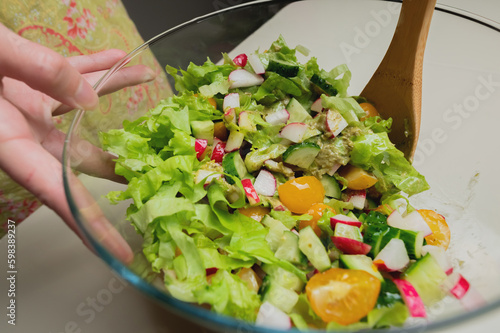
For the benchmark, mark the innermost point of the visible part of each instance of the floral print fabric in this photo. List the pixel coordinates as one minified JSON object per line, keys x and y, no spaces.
{"x":76,"y":27}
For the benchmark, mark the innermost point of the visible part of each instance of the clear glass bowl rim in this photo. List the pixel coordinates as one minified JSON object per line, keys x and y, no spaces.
{"x":193,"y":312}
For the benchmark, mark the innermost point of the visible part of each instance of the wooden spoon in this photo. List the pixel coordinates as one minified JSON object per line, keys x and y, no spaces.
{"x":396,"y":86}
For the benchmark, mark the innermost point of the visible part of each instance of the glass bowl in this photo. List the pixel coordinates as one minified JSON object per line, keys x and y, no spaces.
{"x":457,"y":150}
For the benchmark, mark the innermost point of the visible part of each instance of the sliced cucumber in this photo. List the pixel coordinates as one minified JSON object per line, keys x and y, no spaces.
{"x":347,"y":231}
{"x":302,"y":154}
{"x":323,"y":86}
{"x":203,"y":129}
{"x":297,"y":112}
{"x":413,"y":242}
{"x":279,"y":296}
{"x":314,"y":250}
{"x":426,"y":276}
{"x":275,"y":235}
{"x":331,"y":186}
{"x":283,"y":68}
{"x":377,"y":236}
{"x":234,"y":165}
{"x":283,"y":277}
{"x":289,"y":249}
{"x":360,"y":262}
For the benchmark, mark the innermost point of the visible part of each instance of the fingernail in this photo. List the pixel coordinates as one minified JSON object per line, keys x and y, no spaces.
{"x":86,"y":97}
{"x":149,"y":75}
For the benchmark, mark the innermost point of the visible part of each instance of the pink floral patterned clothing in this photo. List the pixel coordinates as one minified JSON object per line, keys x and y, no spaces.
{"x":75,"y":27}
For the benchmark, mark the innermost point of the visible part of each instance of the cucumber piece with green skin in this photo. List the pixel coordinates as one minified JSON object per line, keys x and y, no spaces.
{"x":234,"y":165}
{"x":279,"y":296}
{"x":297,"y":112}
{"x":283,"y":277}
{"x":283,"y":68}
{"x":377,"y":236}
{"x":323,"y":86}
{"x":331,"y":186}
{"x":289,"y":249}
{"x":203,"y":129}
{"x":302,"y":154}
{"x":414,"y":240}
{"x":312,"y":247}
{"x":426,"y":276}
{"x":360,"y":262}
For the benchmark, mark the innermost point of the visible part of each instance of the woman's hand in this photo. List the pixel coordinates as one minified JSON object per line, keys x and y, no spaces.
{"x":35,"y":84}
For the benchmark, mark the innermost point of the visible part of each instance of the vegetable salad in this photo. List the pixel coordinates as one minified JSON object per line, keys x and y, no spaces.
{"x":265,"y":192}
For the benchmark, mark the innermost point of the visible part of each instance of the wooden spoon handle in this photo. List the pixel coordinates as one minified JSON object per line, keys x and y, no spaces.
{"x":406,"y":51}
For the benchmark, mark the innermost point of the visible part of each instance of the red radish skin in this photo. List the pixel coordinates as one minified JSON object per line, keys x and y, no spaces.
{"x":335,"y":123}
{"x":256,"y":64}
{"x":241,"y":78}
{"x":457,"y":285}
{"x":350,"y":246}
{"x":411,"y":298}
{"x":265,"y":183}
{"x":252,"y":196}
{"x":357,"y":198}
{"x":339,"y":218}
{"x":240,"y":60}
{"x":231,"y":100}
{"x":200,"y":145}
{"x":211,"y":270}
{"x":218,"y":151}
{"x":294,"y":132}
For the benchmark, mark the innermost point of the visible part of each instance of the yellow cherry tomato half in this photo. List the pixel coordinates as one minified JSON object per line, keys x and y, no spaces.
{"x":255,"y":212}
{"x":316,"y":211}
{"x":342,"y":295}
{"x":369,"y":109}
{"x":440,"y":231}
{"x":299,"y":194}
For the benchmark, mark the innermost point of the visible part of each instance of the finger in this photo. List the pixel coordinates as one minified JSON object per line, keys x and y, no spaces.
{"x":27,"y":163}
{"x":97,"y":61}
{"x":125,"y":77}
{"x":44,"y":70}
{"x":84,"y":156}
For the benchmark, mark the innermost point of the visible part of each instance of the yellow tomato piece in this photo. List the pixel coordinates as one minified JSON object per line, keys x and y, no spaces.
{"x":369,"y":109}
{"x":440,"y":231}
{"x":255,"y":212}
{"x":299,"y":194}
{"x":342,"y":295}
{"x":316,"y":211}
{"x":357,"y":178}
{"x":251,"y":278}
{"x":220,"y":131}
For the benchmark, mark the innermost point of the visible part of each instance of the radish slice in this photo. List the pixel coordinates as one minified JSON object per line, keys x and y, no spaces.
{"x":472,"y":300}
{"x":200,"y":145}
{"x":350,"y":246}
{"x":413,"y":221}
{"x":231,"y":100}
{"x":335,"y":123}
{"x":230,"y":116}
{"x":211,"y":270}
{"x":317,"y":106}
{"x":393,"y":257}
{"x":340,"y":218}
{"x":256,"y":64}
{"x":234,"y":141}
{"x":272,"y":317}
{"x":265,"y":183}
{"x":252,"y":196}
{"x":244,"y":122}
{"x":333,"y":169}
{"x":456,"y":285}
{"x":357,"y":198}
{"x":218,"y":151}
{"x":411,"y":298}
{"x":440,"y":255}
{"x":241,"y":78}
{"x":294,"y":132}
{"x":278,"y":117}
{"x":240,"y":60}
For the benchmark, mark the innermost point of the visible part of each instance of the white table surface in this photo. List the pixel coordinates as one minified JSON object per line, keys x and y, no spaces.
{"x":62,"y":287}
